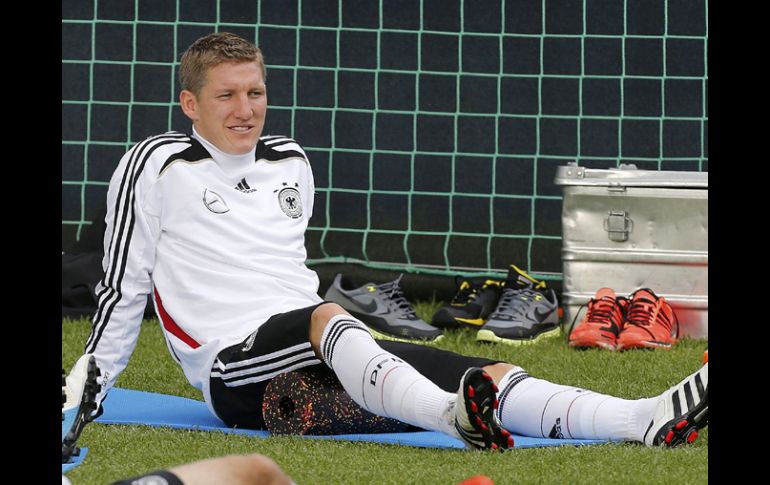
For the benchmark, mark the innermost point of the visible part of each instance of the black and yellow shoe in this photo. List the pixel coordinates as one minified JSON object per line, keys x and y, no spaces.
{"x":475,"y":300}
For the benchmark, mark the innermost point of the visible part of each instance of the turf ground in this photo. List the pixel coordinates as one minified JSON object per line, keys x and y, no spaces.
{"x":122,"y":451}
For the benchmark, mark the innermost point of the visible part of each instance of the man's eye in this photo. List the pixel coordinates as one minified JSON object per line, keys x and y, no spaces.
{"x":223,"y":96}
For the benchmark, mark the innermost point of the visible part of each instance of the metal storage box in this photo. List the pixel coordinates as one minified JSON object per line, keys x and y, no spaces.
{"x":626,"y":229}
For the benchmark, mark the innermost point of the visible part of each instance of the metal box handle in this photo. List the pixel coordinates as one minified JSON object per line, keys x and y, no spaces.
{"x":618,"y":225}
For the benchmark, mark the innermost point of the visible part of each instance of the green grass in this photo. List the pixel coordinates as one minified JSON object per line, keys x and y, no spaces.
{"x":122,"y":451}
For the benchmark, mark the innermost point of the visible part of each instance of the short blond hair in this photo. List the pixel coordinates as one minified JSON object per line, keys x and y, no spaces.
{"x":212,"y":50}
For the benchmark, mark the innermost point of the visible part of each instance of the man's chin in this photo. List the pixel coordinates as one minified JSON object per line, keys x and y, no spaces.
{"x":242,"y":147}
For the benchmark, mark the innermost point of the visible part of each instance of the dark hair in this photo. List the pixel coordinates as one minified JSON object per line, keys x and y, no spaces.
{"x":212,"y":50}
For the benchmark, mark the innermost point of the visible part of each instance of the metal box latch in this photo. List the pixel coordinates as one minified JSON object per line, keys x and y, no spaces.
{"x":618,"y":225}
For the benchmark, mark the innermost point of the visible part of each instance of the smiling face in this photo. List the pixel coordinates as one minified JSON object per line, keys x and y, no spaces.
{"x":229,"y":110}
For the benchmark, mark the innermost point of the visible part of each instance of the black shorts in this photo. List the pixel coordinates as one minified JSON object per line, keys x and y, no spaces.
{"x":282,"y":344}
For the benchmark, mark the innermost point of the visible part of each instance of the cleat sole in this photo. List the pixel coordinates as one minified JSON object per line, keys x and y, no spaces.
{"x":87,"y":406}
{"x":480,"y":406}
{"x":684,"y":429}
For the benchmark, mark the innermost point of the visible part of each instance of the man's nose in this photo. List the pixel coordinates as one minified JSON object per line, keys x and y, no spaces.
{"x":243,"y":110}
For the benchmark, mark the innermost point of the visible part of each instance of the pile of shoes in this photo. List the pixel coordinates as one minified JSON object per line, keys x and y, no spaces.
{"x":519,"y":309}
{"x":641,"y":320}
{"x":516,"y":310}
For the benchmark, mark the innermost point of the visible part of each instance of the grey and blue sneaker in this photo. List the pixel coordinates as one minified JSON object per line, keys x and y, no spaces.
{"x":384,"y":310}
{"x":526,"y":312}
{"x":79,"y":390}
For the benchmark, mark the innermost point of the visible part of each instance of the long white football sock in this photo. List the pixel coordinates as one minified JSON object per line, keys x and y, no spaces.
{"x":379,"y":381}
{"x":538,"y":408}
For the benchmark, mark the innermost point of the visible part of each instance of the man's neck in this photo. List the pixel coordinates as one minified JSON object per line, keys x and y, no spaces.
{"x":230,"y":163}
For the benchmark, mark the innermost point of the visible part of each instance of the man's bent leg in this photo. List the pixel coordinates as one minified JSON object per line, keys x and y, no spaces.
{"x":388,"y":386}
{"x":377,"y":380}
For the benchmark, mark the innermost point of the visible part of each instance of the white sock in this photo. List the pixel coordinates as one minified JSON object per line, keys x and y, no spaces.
{"x":538,"y":408}
{"x":379,"y":381}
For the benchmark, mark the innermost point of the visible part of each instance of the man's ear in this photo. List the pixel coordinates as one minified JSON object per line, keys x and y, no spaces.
{"x":189,"y":104}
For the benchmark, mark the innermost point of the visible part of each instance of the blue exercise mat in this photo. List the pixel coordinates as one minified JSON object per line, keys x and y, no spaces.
{"x":125,"y":406}
{"x":74,"y":461}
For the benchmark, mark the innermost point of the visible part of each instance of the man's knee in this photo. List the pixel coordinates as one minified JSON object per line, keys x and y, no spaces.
{"x":498,"y":370}
{"x":320,"y":318}
{"x":324,"y":312}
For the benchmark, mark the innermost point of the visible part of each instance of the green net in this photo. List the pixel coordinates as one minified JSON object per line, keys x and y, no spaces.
{"x":434,"y":127}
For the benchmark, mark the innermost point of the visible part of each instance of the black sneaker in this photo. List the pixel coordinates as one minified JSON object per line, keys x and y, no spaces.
{"x":79,"y":390}
{"x":526,"y":312}
{"x":384,"y":310}
{"x":471,"y":305}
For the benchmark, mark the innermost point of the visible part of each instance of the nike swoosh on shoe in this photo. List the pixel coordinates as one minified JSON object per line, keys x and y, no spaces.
{"x":540,"y":317}
{"x":372,"y":307}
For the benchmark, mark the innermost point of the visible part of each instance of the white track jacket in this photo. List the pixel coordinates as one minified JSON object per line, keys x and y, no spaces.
{"x":221,"y":249}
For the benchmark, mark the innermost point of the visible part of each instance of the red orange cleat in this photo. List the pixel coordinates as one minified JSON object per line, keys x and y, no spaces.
{"x":602,"y":322}
{"x":650,"y":323}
